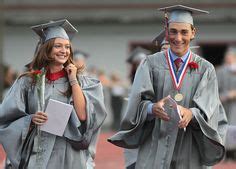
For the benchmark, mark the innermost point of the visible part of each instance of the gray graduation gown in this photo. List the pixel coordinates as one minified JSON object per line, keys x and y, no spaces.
{"x":160,"y":145}
{"x":227,"y":81}
{"x":55,"y":152}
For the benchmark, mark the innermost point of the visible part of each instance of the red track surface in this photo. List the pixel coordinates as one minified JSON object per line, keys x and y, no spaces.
{"x":108,"y":156}
{"x":2,"y":156}
{"x":111,"y":157}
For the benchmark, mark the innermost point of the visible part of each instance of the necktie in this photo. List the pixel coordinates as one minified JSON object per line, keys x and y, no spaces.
{"x":178,"y":63}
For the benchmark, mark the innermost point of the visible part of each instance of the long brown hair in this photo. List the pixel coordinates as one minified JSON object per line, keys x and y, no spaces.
{"x":42,"y":59}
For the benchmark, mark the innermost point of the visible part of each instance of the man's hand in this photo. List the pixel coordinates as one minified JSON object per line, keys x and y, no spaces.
{"x":187,"y":116}
{"x":159,"y":111}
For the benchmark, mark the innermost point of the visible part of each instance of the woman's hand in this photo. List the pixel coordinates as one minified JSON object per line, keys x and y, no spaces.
{"x":71,"y":71}
{"x":39,"y":118}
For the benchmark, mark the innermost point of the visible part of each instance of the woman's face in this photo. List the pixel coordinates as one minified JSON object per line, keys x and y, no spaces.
{"x":60,"y":51}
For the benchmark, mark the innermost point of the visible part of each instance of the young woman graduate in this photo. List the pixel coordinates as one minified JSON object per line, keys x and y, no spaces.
{"x":54,"y":76}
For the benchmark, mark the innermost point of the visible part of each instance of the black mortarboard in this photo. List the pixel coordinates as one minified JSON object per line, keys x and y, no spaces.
{"x":160,"y":39}
{"x":138,"y":54}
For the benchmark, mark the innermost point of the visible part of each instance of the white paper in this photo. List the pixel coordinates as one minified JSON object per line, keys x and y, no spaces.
{"x":175,"y":106}
{"x":58,"y":116}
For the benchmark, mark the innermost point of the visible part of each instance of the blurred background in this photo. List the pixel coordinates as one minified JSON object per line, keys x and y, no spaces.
{"x":108,"y":31}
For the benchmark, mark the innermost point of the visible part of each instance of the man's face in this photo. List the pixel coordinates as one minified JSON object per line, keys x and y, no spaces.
{"x":230,"y":58}
{"x":180,"y":35}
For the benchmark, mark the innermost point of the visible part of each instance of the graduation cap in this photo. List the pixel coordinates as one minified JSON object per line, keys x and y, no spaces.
{"x":160,"y":40}
{"x":231,"y":49}
{"x":138,"y":54}
{"x":180,"y":13}
{"x":78,"y":54}
{"x":194,"y":47}
{"x":55,"y":29}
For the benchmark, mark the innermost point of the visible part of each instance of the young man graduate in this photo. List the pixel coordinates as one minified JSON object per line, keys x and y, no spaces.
{"x":194,"y":139}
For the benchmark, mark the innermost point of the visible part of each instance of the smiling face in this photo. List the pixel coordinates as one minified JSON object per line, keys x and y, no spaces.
{"x":180,"y":35}
{"x":60,"y":51}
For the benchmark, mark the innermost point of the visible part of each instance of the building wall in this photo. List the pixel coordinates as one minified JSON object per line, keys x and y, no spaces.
{"x":110,"y":1}
{"x":108,"y":44}
{"x":125,"y":11}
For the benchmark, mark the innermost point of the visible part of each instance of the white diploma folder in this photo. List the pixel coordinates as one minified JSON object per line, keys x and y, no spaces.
{"x":58,"y":116}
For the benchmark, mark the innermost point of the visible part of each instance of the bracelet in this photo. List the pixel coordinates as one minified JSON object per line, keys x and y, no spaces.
{"x":73,"y":82}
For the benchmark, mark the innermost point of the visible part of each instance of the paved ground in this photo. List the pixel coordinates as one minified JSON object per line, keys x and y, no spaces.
{"x":111,"y":157}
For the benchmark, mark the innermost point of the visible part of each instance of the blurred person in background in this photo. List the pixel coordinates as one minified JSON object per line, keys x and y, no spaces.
{"x":9,"y":77}
{"x":118,"y":91}
{"x":22,"y":111}
{"x":106,"y":83}
{"x":161,"y":41}
{"x":226,"y":75}
{"x":103,"y":78}
{"x":92,"y":71}
{"x":80,"y":59}
{"x":190,"y":133}
{"x":134,"y":59}
{"x":136,"y":56}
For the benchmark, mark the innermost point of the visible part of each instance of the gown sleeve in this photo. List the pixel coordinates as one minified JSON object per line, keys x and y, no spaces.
{"x":80,"y":134}
{"x":15,"y":119}
{"x":211,"y":119}
{"x":134,"y":126}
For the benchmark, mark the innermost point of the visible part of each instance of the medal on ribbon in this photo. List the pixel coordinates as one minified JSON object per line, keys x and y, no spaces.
{"x":177,"y":76}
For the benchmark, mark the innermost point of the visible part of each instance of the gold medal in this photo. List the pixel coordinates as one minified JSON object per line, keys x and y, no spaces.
{"x":179,"y":97}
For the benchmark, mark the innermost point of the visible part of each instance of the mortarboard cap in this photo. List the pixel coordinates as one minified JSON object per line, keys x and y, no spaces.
{"x":180,"y":13}
{"x":231,"y":49}
{"x":194,"y":47}
{"x":55,"y":29}
{"x":78,"y":54}
{"x":160,"y":39}
{"x":138,"y":54}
